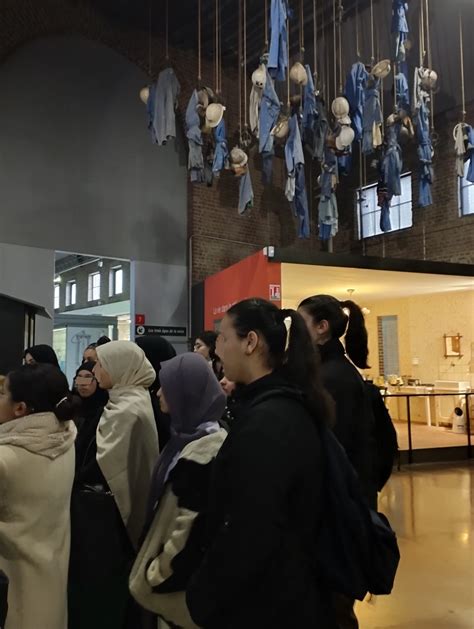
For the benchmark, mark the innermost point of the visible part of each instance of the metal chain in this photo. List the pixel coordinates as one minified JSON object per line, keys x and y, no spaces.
{"x":372,"y":58}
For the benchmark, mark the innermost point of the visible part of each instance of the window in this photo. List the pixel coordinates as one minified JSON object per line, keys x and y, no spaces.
{"x":116,"y":281}
{"x":71,"y":289}
{"x":388,"y":345}
{"x":466,"y":194}
{"x":368,"y":212}
{"x":93,"y":289}
{"x":57,"y":289}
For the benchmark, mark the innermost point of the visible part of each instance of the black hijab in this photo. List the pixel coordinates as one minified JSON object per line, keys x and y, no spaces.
{"x":157,"y":350}
{"x":87,"y":469}
{"x":43,"y":354}
{"x":91,"y":405}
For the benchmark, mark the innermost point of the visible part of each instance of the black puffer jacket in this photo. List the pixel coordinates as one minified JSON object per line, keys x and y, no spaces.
{"x":354,"y":426}
{"x":265,"y":505}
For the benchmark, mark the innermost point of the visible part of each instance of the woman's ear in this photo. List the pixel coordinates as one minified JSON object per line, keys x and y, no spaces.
{"x":20,"y":409}
{"x":252,"y":342}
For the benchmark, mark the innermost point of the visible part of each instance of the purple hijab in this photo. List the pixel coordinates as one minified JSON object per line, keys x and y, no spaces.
{"x":196,"y":403}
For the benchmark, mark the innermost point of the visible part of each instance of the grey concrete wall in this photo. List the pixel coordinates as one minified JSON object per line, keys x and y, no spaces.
{"x":78,"y":170}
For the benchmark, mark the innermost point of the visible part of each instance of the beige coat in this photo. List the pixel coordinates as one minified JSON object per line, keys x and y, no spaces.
{"x":127,"y":440}
{"x":168,"y":535}
{"x":35,"y":491}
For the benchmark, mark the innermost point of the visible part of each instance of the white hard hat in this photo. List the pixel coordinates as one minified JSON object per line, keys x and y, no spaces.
{"x":145,"y":94}
{"x":345,"y":120}
{"x":340,"y":107}
{"x":298,"y":74}
{"x":282,"y":127}
{"x":429,"y":79}
{"x":259,"y":77}
{"x":214,"y":114}
{"x":345,"y":138}
{"x":382,"y":69}
{"x":238,"y":157}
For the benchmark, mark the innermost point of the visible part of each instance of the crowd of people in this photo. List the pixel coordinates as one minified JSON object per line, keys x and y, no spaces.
{"x":184,"y":488}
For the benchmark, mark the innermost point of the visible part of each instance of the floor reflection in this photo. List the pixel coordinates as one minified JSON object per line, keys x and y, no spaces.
{"x":431,"y":509}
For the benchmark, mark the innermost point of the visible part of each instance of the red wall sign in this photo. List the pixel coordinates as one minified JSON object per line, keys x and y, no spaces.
{"x":254,"y":276}
{"x":139,"y":319}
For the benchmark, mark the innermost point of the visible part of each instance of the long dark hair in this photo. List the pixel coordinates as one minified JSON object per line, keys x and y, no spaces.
{"x":330,"y":309}
{"x":297,"y":359}
{"x":44,"y":389}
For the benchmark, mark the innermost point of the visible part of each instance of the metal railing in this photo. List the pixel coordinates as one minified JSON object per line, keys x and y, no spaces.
{"x":455,"y":394}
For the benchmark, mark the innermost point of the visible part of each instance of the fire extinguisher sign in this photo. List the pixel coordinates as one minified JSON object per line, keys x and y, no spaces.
{"x":275,"y":292}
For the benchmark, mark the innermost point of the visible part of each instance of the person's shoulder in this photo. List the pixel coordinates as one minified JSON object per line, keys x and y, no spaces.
{"x":203,"y":450}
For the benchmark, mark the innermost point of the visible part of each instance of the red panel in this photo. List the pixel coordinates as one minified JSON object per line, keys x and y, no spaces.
{"x":254,"y":276}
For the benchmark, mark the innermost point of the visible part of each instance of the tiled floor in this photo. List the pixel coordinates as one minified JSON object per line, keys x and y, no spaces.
{"x":431,"y":508}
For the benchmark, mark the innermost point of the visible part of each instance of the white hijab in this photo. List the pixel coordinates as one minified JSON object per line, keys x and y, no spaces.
{"x":127,"y":440}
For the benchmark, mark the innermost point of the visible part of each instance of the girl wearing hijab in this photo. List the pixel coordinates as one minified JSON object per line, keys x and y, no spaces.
{"x":158,"y":350}
{"x":36,"y":476}
{"x":93,"y":400}
{"x":127,"y":451}
{"x":43,"y":354}
{"x":171,"y":551}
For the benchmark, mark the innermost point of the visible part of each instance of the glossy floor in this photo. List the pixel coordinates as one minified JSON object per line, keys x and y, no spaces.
{"x":431,"y":509}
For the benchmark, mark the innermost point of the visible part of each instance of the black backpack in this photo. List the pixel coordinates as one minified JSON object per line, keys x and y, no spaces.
{"x":385,"y":436}
{"x":356,"y":550}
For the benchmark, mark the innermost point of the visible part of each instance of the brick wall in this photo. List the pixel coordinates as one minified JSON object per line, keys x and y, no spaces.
{"x":219,"y":236}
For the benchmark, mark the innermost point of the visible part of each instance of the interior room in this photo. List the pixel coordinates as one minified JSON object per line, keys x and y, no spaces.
{"x":421,"y":341}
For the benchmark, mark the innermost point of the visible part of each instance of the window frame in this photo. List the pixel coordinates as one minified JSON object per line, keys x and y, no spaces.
{"x":113,"y":292}
{"x":57,"y":296}
{"x":91,"y":288}
{"x":69,"y":290}
{"x":377,"y":211}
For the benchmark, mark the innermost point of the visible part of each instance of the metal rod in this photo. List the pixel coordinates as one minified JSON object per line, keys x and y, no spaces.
{"x":468,"y":426}
{"x":410,"y":443}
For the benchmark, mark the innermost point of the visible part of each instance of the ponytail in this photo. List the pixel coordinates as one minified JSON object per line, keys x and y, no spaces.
{"x":289,"y":351}
{"x":343,"y":317}
{"x":357,"y":340}
{"x":302,"y":366}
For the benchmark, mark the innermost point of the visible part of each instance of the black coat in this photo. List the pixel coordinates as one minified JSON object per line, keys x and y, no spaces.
{"x":354,"y":417}
{"x":87,"y":469}
{"x":264,"y":509}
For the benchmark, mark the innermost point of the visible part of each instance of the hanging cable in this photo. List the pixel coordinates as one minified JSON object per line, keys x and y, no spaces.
{"x":288,"y":102}
{"x":461,"y":50}
{"x":357,"y":30}
{"x":149,"y":36}
{"x":167,"y":32}
{"x":302,"y":47}
{"x":199,"y":42}
{"x":240,"y":70}
{"x":245,"y":65}
{"x":335,"y":45}
{"x":372,"y":58}
{"x":315,"y":39}
{"x":216,"y":47}
{"x":422,"y":35}
{"x":430,"y":60}
{"x":220,"y":49}
{"x":266,"y":25}
{"x":341,"y":8}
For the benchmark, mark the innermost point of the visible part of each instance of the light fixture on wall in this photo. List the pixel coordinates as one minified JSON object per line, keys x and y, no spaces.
{"x":57,"y":279}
